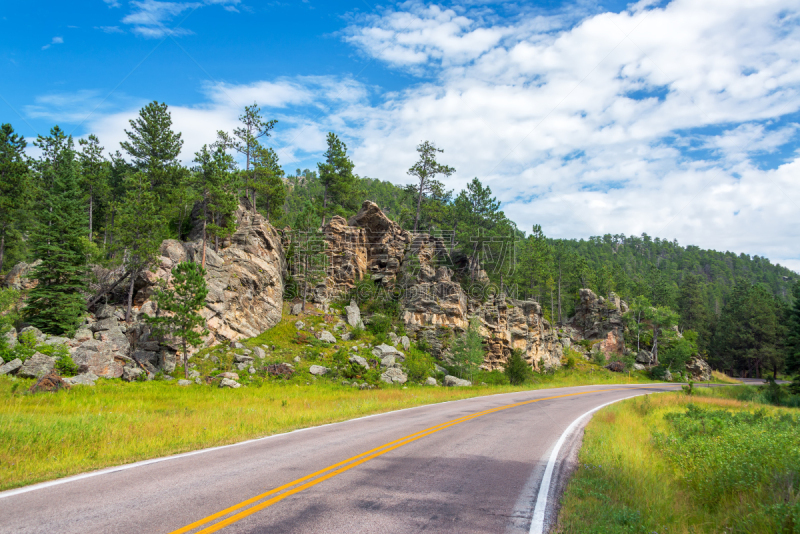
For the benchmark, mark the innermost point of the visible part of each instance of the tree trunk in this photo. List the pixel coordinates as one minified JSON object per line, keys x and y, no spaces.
{"x":205,"y":216}
{"x":185,"y":362}
{"x":134,"y":272}
{"x":655,"y":345}
{"x":2,"y":250}
{"x":419,"y":204}
{"x":97,"y":297}
{"x":559,"y":294}
{"x":324,"y":203}
{"x":91,"y":198}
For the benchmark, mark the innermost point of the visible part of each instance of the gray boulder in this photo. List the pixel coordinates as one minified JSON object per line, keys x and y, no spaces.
{"x":644,"y":357}
{"x":194,"y":374}
{"x":129,"y":374}
{"x":699,"y":370}
{"x":40,"y":337}
{"x":82,"y":334}
{"x":387,"y":361}
{"x":318,"y":370}
{"x":259,"y":352}
{"x":454,"y":381}
{"x":10,"y":367}
{"x":405,"y":342}
{"x":358,"y":360}
{"x":237,"y":345}
{"x":383,"y":350}
{"x":243,"y":358}
{"x":394,"y":376}
{"x":439,"y":368}
{"x":327,"y":337}
{"x":84,"y":379}
{"x":98,"y":358}
{"x":354,"y":315}
{"x":430,"y":381}
{"x":104,"y":312}
{"x":11,"y":338}
{"x":300,"y":325}
{"x":105,"y":324}
{"x":229,"y":383}
{"x":297,"y":309}
{"x":184,"y":382}
{"x":229,"y":375}
{"x":37,"y":366}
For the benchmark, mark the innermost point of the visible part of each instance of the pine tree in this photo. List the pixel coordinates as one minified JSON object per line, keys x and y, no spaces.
{"x":181,"y":303}
{"x":268,"y":181}
{"x":692,"y":307}
{"x":793,"y":333}
{"x":94,"y":175}
{"x":425,"y":171}
{"x":214,"y":185}
{"x":467,"y":350}
{"x":140,"y":229}
{"x":13,"y":186}
{"x":336,"y":174}
{"x":245,"y":140}
{"x":56,"y":304}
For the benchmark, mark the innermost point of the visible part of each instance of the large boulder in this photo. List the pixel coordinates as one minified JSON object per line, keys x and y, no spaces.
{"x":597,"y":318}
{"x":99,"y":358}
{"x":645,"y":357}
{"x":454,"y":381}
{"x":394,"y":376}
{"x":19,"y":276}
{"x":354,"y":315}
{"x":84,"y":379}
{"x":699,"y":370}
{"x":318,"y":370}
{"x":10,"y":367}
{"x":37,"y":366}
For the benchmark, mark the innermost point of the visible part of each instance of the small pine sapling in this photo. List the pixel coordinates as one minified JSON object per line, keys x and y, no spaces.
{"x":181,"y":304}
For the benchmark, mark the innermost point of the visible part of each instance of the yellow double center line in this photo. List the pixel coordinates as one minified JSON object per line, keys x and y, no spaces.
{"x":315,"y":478}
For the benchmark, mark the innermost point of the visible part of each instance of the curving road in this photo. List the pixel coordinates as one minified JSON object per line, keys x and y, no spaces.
{"x":474,"y":465}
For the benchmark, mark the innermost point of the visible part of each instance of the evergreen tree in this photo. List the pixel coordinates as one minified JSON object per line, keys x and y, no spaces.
{"x":692,"y":307}
{"x":245,"y":140}
{"x":94,"y":175}
{"x":335,"y":174}
{"x":181,"y":303}
{"x":425,"y":171}
{"x":13,"y":187}
{"x":268,"y":182}
{"x":140,"y":229}
{"x":749,"y":335}
{"x":793,"y":333}
{"x":517,"y":369}
{"x":467,"y":350}
{"x":56,"y":304}
{"x":213,"y":183}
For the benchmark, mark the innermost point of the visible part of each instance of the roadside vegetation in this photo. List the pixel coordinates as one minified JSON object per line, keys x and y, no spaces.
{"x":716,"y":460}
{"x":47,"y":436}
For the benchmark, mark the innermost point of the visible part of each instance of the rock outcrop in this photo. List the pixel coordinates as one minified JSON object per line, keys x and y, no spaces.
{"x":599,"y":320}
{"x":698,"y":370}
{"x":434,"y":306}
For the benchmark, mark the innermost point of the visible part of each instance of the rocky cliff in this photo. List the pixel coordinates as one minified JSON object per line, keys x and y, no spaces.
{"x":434,"y":306}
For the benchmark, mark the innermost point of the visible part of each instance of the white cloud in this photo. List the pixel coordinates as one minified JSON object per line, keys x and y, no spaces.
{"x":150,"y":18}
{"x":642,"y":121}
{"x":56,"y":40}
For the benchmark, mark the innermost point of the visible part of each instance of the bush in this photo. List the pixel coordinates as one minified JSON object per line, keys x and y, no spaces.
{"x":493,"y":378}
{"x":65,"y":366}
{"x":517,"y":369}
{"x":658,"y":372}
{"x":599,"y":358}
{"x":418,"y":364}
{"x":357,"y":333}
{"x":379,"y":325}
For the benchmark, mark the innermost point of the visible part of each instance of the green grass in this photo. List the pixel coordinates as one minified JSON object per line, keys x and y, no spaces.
{"x":677,"y":463}
{"x":47,"y":436}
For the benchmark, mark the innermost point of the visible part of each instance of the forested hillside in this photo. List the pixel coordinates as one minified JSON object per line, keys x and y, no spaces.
{"x":79,"y":204}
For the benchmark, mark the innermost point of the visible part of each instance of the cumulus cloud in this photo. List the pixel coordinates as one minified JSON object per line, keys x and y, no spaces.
{"x":649,"y":120}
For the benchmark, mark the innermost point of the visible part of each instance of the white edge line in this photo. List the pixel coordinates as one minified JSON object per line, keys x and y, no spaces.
{"x":537,"y":522}
{"x":108,"y":470}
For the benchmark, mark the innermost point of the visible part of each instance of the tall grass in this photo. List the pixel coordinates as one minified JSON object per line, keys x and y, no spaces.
{"x":674,"y":463}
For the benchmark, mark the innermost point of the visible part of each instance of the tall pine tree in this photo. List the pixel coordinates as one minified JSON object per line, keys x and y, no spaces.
{"x":13,"y":186}
{"x":56,"y":304}
{"x":336,"y":174}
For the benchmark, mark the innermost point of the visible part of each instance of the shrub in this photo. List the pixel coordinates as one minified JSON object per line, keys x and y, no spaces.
{"x":493,"y":378}
{"x":658,"y":372}
{"x":357,"y":333}
{"x":517,"y":369}
{"x":65,"y":366}
{"x":599,"y":358}
{"x":418,"y":364}
{"x":379,"y":325}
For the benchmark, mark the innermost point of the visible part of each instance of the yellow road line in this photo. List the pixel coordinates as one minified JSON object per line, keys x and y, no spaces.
{"x":331,"y":471}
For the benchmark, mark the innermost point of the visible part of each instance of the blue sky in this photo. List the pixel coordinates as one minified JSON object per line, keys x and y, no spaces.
{"x":679,"y":119}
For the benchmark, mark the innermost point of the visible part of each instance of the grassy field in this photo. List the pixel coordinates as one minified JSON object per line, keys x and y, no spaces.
{"x":677,"y":463}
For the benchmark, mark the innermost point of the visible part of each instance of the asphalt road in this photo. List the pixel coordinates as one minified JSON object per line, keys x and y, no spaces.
{"x":458,"y":470}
